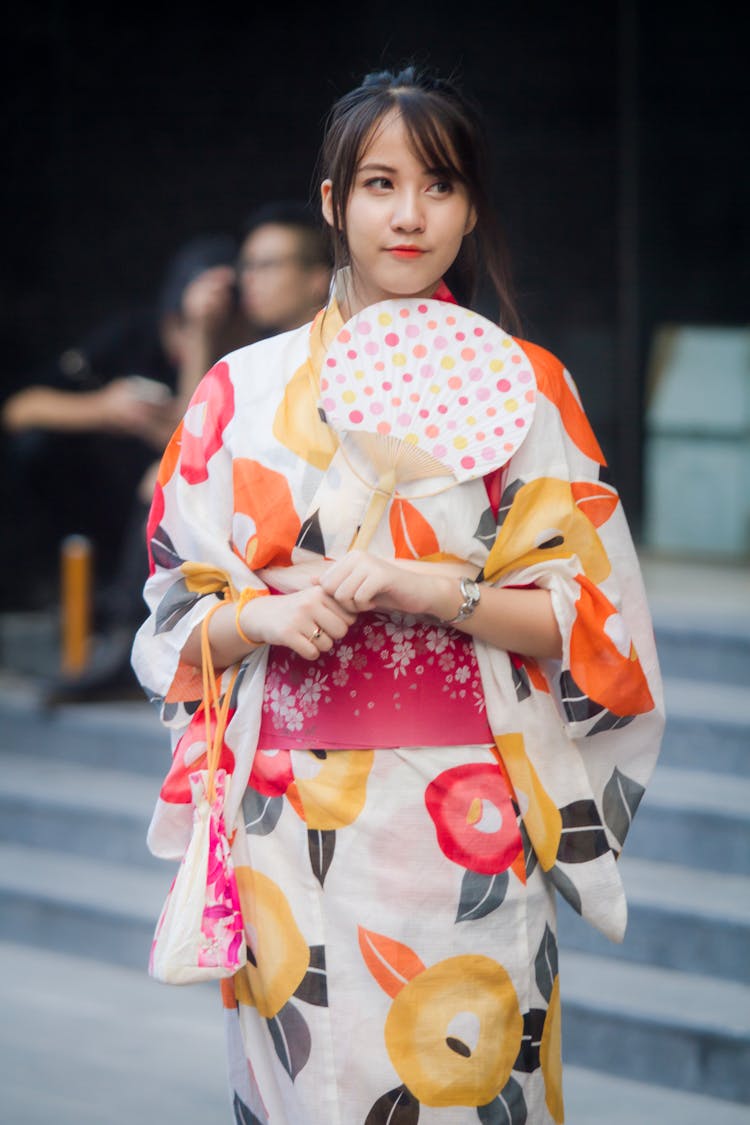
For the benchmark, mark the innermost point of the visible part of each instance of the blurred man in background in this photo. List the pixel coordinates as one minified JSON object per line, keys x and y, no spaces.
{"x":78,"y":435}
{"x":279,"y":280}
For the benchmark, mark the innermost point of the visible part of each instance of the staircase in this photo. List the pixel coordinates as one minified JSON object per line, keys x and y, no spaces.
{"x":656,"y":1030}
{"x":87,"y":1038}
{"x":663,"y":1020}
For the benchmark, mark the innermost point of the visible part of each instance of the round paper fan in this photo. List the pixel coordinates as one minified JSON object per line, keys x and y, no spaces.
{"x":426,"y":388}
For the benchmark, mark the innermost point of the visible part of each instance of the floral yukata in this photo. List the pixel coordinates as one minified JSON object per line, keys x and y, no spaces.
{"x":404,"y":809}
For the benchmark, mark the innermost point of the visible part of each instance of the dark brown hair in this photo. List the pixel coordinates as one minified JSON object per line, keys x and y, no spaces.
{"x":446,"y":131}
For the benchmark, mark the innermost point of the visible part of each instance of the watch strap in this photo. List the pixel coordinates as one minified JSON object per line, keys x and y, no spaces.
{"x":470,"y":593}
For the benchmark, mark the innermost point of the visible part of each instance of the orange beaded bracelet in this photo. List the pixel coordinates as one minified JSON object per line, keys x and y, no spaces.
{"x":246,"y":596}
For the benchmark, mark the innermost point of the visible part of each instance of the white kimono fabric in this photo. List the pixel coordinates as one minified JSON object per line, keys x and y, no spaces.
{"x":399,"y":902}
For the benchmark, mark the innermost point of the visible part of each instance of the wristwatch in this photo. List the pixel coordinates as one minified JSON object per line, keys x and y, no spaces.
{"x":471,"y":594}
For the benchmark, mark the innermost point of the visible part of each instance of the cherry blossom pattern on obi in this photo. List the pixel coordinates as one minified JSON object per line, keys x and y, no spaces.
{"x":207,"y":416}
{"x":374,"y":686}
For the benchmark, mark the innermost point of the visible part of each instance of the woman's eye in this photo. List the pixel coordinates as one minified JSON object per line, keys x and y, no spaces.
{"x":441,"y":187}
{"x":379,"y":182}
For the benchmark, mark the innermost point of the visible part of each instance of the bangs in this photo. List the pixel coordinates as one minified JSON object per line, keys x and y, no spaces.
{"x":435,"y":143}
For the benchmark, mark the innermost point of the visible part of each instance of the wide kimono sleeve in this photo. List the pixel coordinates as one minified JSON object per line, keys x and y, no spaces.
{"x":579,"y":736}
{"x":193,"y":564}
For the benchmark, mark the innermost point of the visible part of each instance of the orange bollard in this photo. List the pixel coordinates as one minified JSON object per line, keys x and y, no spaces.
{"x":76,"y":575}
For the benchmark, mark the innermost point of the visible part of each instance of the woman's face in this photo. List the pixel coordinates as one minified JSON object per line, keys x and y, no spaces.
{"x":404,"y":222}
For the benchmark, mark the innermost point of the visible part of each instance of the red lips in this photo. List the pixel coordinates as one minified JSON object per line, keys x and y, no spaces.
{"x":406,"y":252}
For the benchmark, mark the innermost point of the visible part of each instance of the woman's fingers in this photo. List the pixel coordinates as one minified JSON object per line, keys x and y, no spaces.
{"x":308,"y":621}
{"x":355,"y":580}
{"x":290,"y":579}
{"x":334,"y":622}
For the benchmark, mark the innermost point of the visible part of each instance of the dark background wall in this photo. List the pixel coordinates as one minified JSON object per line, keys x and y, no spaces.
{"x":617,"y":136}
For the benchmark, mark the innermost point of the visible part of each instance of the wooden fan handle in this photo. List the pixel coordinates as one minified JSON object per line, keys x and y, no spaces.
{"x":375,"y":509}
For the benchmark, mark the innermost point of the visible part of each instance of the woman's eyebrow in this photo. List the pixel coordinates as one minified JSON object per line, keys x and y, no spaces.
{"x":438,"y":170}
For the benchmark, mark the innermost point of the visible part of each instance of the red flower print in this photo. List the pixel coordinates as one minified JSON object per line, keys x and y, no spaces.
{"x":474,"y":818}
{"x":210,"y":409}
{"x":155,"y":517}
{"x":272,"y":772}
{"x":190,"y":755}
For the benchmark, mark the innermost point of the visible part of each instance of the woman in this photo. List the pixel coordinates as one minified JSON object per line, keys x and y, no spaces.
{"x":427,"y":738}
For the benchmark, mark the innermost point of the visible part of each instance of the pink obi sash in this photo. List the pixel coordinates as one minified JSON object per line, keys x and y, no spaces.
{"x":388,"y":683}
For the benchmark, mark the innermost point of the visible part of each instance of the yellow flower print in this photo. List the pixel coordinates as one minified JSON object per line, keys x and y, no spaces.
{"x":297,"y":424}
{"x":278,"y":955}
{"x":543,"y":523}
{"x":454,"y":1030}
{"x":539,"y":812}
{"x":336,"y":795}
{"x":550,"y":1056}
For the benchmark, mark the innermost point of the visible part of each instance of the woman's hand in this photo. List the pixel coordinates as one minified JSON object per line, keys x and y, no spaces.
{"x":291,"y":579}
{"x":360,"y":582}
{"x":308,"y":621}
{"x":520,"y":620}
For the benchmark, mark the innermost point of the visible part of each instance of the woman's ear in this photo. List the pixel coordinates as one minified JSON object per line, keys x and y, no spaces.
{"x":471,"y":221}
{"x":326,"y":201}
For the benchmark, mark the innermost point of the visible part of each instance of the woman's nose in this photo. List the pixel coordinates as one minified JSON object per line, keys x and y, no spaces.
{"x":407,"y":213}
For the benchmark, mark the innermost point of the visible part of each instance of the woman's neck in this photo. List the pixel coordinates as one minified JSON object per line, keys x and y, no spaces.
{"x":351,"y":300}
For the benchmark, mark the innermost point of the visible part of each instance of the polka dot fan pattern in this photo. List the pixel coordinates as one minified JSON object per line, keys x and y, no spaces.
{"x":433,"y":375}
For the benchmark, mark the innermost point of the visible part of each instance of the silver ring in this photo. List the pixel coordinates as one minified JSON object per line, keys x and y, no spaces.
{"x":318,"y":633}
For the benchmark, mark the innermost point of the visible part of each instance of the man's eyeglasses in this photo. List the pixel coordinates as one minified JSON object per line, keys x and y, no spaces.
{"x":262,"y":265}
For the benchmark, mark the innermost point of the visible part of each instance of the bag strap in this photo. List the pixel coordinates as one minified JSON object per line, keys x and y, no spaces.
{"x":212,"y":700}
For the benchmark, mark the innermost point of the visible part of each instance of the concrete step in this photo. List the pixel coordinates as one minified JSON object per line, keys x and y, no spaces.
{"x":101,"y":1043}
{"x":30,"y":642}
{"x":708,"y":726}
{"x":72,"y":808}
{"x":88,"y":907}
{"x":678,"y":918}
{"x":593,"y":1098}
{"x":681,"y":1030}
{"x":87,"y":1043}
{"x":701,"y":615}
{"x":694,"y":817}
{"x":704,"y":648}
{"x":123,"y":736}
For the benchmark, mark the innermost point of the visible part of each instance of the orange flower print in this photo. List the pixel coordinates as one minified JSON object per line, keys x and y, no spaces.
{"x":556,"y":384}
{"x":413,"y":538}
{"x":265,"y":524}
{"x":474,"y":818}
{"x":603,"y":660}
{"x":210,"y":409}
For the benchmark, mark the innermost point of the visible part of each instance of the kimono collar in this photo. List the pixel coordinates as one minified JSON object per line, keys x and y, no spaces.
{"x":329,"y":321}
